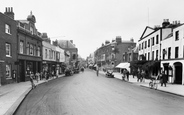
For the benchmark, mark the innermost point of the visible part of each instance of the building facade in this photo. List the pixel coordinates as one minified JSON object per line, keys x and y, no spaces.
{"x":8,"y":47}
{"x":172,"y":55}
{"x":71,"y":52}
{"x":153,"y":45}
{"x":112,"y":53}
{"x":29,"y":43}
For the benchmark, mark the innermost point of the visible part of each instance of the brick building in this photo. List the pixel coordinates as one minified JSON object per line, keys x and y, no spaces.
{"x":8,"y":47}
{"x":29,"y":48}
{"x":112,"y":53}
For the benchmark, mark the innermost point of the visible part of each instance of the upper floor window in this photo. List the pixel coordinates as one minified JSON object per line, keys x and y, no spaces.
{"x":142,"y":45}
{"x":148,"y":55}
{"x":153,"y":41}
{"x":169,"y":53}
{"x":38,"y":51}
{"x":149,"y":43}
{"x":27,"y":47}
{"x":164,"y":53}
{"x":176,"y":52}
{"x":46,"y":53}
{"x":145,"y":44}
{"x":157,"y":54}
{"x":139,"y":46}
{"x":8,"y":49}
{"x":145,"y":55}
{"x":7,"y":29}
{"x":153,"y":55}
{"x":31,"y":49}
{"x":50,"y":55}
{"x":21,"y":47}
{"x":157,"y":39}
{"x":35,"y":50}
{"x":177,"y":35}
{"x":58,"y":55}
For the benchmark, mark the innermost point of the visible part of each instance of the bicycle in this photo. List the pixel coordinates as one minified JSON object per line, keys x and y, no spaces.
{"x":153,"y":83}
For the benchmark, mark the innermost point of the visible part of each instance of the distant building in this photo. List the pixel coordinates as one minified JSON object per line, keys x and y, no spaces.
{"x":70,"y":50}
{"x":111,"y":54}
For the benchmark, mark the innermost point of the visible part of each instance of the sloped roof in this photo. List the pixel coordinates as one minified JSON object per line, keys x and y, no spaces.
{"x":65,"y":44}
{"x":148,"y":30}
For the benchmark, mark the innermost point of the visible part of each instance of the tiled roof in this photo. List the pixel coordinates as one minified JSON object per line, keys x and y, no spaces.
{"x":66,"y":44}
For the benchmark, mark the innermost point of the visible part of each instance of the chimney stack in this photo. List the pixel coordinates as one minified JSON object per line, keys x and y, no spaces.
{"x":9,"y":12}
{"x":165,"y":23}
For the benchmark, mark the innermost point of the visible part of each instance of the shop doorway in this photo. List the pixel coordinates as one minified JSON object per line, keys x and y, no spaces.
{"x":178,"y":73}
{"x":22,"y":70}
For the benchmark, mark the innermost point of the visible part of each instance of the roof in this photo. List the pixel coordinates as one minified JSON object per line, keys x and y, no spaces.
{"x":148,"y":30}
{"x":65,"y":44}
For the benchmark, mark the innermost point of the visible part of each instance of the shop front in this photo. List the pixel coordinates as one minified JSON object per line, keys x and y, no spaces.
{"x":173,"y":71}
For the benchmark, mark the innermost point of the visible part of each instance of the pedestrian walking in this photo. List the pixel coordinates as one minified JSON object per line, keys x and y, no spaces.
{"x":31,"y":80}
{"x":124,"y":75}
{"x":143,"y":76}
{"x":163,"y":79}
{"x":97,"y":70}
{"x":139,"y":76}
{"x":41,"y":75}
{"x":127,"y":74}
{"x":37,"y":76}
{"x":47,"y":76}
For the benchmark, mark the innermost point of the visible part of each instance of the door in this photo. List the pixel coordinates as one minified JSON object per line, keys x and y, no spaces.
{"x":178,"y":73}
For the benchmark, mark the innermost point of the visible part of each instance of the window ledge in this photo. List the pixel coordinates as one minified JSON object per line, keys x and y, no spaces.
{"x":8,"y":33}
{"x":8,"y":56}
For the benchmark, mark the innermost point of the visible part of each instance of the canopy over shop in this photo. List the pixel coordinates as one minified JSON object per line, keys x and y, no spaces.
{"x":123,"y":66}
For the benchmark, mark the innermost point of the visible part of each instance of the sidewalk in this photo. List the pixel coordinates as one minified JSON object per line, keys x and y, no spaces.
{"x":11,"y":95}
{"x":170,"y":88}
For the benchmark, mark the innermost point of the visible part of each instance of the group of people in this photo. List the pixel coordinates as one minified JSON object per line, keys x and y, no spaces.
{"x":39,"y":76}
{"x":125,"y":75}
{"x":141,"y":76}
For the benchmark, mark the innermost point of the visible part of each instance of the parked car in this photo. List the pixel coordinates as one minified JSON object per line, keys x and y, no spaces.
{"x":68,"y":72}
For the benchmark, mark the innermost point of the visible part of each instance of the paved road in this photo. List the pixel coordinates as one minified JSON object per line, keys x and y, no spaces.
{"x":87,"y":94}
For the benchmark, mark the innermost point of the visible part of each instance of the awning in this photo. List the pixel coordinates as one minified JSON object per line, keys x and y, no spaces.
{"x":123,"y":65}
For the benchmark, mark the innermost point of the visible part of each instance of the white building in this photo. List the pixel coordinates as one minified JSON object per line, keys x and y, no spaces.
{"x":173,"y":55}
{"x":164,"y":44}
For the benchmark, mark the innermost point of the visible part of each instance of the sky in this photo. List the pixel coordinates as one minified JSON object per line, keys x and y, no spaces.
{"x":89,"y":23}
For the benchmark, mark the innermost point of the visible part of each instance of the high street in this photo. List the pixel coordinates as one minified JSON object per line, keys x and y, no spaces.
{"x":87,"y":94}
